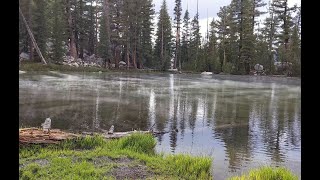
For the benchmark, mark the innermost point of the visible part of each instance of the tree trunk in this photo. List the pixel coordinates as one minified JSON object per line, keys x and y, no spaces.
{"x":161,"y":56}
{"x":73,"y":48}
{"x":241,"y":35}
{"x":106,"y":14}
{"x":286,"y":33}
{"x":81,"y":33}
{"x":127,"y":54}
{"x":224,"y":56}
{"x":96,"y":29}
{"x":253,"y":15}
{"x":117,"y":56}
{"x":271,"y":40}
{"x":177,"y":49}
{"x":134,"y":56}
{"x":91,"y":43}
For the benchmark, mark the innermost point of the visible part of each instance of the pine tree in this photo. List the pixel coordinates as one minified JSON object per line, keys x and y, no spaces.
{"x":295,"y":44}
{"x":58,"y":30}
{"x":195,"y":42}
{"x":104,"y":47}
{"x":269,"y":32}
{"x":255,"y":12}
{"x":25,"y":41}
{"x":71,"y":33}
{"x":283,"y":13}
{"x":223,"y":30}
{"x":262,"y":49}
{"x":147,"y":14}
{"x":90,"y":23}
{"x":295,"y":50}
{"x":23,"y":34}
{"x":234,"y":40}
{"x":104,"y":40}
{"x":116,"y":30}
{"x":185,"y":47}
{"x":246,"y":46}
{"x":177,"y":18}
{"x":163,"y":46}
{"x":213,"y":48}
{"x":40,"y":24}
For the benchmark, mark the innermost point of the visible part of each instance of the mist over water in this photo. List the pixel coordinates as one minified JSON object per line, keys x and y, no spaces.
{"x":242,"y":122}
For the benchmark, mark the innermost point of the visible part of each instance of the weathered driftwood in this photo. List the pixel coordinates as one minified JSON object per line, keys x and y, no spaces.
{"x":38,"y":136}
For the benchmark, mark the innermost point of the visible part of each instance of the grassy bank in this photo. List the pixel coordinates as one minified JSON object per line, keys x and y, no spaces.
{"x":132,"y":157}
{"x":267,"y":173}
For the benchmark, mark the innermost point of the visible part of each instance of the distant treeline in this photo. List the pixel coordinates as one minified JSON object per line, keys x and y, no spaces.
{"x":122,"y":30}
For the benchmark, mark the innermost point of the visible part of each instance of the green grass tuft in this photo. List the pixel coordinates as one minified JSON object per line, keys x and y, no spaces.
{"x":141,"y":143}
{"x":189,"y":167}
{"x":83,"y":143}
{"x":267,"y":173}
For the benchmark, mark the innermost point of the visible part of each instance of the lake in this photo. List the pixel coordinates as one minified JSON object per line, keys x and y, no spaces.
{"x":242,"y":122}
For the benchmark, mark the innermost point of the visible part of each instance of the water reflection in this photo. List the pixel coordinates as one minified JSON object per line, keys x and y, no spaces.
{"x":241,"y":124}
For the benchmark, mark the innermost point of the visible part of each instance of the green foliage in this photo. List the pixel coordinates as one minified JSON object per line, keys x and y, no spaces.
{"x":216,"y":65}
{"x":138,"y":143}
{"x":163,"y":44}
{"x":189,"y":167}
{"x":83,"y":143}
{"x":40,"y":29}
{"x":177,"y":19}
{"x":104,"y":40}
{"x":267,"y":173}
{"x":227,"y":68}
{"x":195,"y":43}
{"x":58,"y":31}
{"x":122,"y":30}
{"x":146,"y":33}
{"x":26,"y":7}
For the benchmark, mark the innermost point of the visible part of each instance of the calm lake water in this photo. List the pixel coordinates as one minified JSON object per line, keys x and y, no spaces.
{"x":242,"y":122}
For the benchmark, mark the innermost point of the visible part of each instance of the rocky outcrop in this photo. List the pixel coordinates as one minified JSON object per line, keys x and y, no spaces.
{"x":24,"y":56}
{"x":88,"y":61}
{"x":206,"y":73}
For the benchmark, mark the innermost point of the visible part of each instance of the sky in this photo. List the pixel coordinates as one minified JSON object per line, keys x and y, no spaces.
{"x":207,"y":8}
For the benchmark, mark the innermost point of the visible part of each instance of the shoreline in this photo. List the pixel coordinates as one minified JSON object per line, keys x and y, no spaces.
{"x":34,"y":66}
{"x":134,"y":156}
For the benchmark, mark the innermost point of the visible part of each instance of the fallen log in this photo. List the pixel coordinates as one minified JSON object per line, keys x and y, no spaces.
{"x":38,"y":136}
{"x":54,"y":136}
{"x":114,"y":135}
